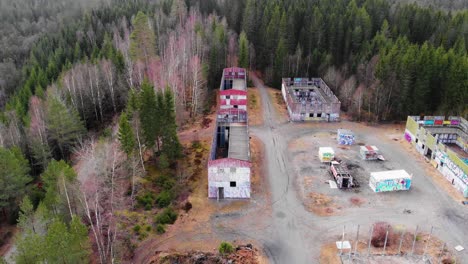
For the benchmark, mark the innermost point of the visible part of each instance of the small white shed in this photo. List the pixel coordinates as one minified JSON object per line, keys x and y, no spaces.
{"x":326,"y":154}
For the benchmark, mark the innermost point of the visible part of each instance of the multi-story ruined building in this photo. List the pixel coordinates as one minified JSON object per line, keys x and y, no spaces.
{"x":229,"y":167}
{"x":310,"y":99}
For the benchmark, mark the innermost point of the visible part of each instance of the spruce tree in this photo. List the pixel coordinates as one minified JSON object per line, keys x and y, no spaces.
{"x":148,"y":113}
{"x":171,"y":145}
{"x":126,"y":137}
{"x":243,"y":51}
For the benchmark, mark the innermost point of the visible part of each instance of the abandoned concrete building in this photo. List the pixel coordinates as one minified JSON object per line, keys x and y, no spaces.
{"x":233,"y":89}
{"x":229,"y":167}
{"x":310,"y":99}
{"x":444,"y":142}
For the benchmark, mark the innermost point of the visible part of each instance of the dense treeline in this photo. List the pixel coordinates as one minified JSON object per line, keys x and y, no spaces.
{"x":345,"y":41}
{"x":22,"y":23}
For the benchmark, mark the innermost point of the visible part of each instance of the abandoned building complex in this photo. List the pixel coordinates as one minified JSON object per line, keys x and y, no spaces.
{"x":229,"y":166}
{"x":444,"y":142}
{"x":310,"y":99}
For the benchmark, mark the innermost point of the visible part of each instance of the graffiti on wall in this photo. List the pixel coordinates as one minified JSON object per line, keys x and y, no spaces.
{"x":408,"y":136}
{"x":393,"y":185}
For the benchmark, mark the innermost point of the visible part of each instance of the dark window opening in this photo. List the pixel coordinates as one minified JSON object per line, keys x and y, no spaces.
{"x":319,"y":115}
{"x":228,"y":97}
{"x":416,"y":140}
{"x":429,"y":153}
{"x":236,"y":106}
{"x":232,"y":184}
{"x":311,"y":115}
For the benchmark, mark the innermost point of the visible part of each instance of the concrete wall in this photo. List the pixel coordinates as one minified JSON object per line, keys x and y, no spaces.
{"x":221,"y":176}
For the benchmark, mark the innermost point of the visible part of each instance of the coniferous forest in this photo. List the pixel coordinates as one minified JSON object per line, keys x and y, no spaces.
{"x":88,"y":87}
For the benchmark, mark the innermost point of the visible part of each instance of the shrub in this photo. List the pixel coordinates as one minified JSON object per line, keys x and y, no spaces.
{"x":163,"y":162}
{"x":165,"y":182}
{"x":164,"y":199}
{"x":160,"y":229}
{"x":146,"y":200}
{"x":167,"y":216}
{"x":379,"y":233}
{"x":196,"y":144}
{"x":137,"y":228}
{"x":225,"y":248}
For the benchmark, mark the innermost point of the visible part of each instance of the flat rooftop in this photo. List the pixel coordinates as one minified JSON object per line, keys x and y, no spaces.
{"x":238,"y":143}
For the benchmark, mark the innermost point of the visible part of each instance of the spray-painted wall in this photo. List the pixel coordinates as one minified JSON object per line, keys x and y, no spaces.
{"x":401,"y":184}
{"x":447,"y":162}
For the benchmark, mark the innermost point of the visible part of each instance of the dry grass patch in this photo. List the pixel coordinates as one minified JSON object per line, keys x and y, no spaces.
{"x":254,"y":107}
{"x":278,"y":102}
{"x":321,"y":204}
{"x":328,"y":254}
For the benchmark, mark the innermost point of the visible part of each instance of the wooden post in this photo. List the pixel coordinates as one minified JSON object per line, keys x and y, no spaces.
{"x":414,"y":240}
{"x":355,"y":243}
{"x":342,"y":238}
{"x":401,"y":241}
{"x":386,"y":237}
{"x":427,"y":243}
{"x":370,"y":238}
{"x":441,"y":253}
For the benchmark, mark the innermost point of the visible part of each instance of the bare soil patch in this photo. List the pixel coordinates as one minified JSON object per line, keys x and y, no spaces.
{"x":254,"y":107}
{"x":7,"y":234}
{"x":357,"y":201}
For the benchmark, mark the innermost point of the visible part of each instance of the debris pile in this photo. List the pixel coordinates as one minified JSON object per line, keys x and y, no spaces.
{"x":245,"y":254}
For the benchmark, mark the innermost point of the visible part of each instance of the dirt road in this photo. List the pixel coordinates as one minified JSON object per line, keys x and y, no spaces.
{"x":294,"y":235}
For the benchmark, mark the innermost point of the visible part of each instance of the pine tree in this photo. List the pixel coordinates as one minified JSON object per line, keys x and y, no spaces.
{"x":57,"y":178}
{"x":143,"y":40}
{"x":243,"y":51}
{"x":126,"y":137}
{"x":64,"y":125}
{"x":67,"y":244}
{"x":13,"y":177}
{"x":26,"y":214}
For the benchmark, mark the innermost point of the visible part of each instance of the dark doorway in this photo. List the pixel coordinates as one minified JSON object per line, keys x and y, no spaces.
{"x":345,"y":182}
{"x":220,"y":192}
